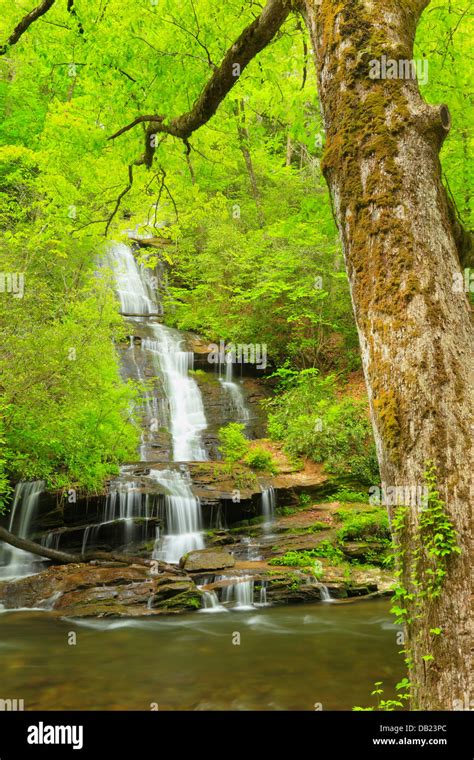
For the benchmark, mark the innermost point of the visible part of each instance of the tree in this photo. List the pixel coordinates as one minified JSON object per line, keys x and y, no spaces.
{"x":381,"y":162}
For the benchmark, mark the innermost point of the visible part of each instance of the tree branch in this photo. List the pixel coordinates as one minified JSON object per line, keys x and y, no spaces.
{"x":26,"y":22}
{"x":252,"y":40}
{"x":63,"y":558}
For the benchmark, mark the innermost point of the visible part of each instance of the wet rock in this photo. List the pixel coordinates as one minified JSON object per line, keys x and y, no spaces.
{"x":207,"y":559}
{"x":84,"y":590}
{"x":174,"y":594}
{"x":365,"y":551}
{"x":220,"y":538}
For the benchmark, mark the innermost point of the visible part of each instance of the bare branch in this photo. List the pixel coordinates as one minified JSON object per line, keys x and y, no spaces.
{"x":251,"y":41}
{"x":26,"y":22}
{"x":138,"y":120}
{"x":64,"y":558}
{"x":119,"y":199}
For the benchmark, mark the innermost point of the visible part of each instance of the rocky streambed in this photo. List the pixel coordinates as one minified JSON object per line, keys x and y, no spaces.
{"x":242,"y":566}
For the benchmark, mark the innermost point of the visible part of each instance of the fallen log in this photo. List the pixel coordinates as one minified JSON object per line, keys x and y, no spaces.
{"x":153,"y":242}
{"x":58,"y":557}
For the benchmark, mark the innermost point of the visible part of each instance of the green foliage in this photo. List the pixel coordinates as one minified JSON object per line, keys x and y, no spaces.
{"x":305,"y":558}
{"x":5,"y":488}
{"x":304,"y":499}
{"x":286,"y":511}
{"x":347,"y":496}
{"x":66,"y":413}
{"x":259,"y":458}
{"x":438,"y":538}
{"x":389,"y":705}
{"x":233,"y":445}
{"x":367,"y":526}
{"x":423,"y":566}
{"x":312,"y":422}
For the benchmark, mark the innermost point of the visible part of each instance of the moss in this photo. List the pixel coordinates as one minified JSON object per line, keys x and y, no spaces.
{"x":386,"y":407}
{"x":366,"y":119}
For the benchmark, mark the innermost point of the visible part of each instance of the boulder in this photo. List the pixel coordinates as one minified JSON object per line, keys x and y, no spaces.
{"x":85,"y":590}
{"x":175,"y":593}
{"x":365,"y":551}
{"x":207,"y":559}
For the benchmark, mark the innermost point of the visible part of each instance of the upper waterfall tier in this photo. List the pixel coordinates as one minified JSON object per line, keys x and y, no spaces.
{"x":185,"y":418}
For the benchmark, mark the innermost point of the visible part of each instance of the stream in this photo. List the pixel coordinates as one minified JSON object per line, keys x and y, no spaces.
{"x":289,"y":658}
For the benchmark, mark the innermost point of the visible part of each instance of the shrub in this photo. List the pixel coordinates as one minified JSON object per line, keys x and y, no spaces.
{"x":305,"y":558}
{"x":348,"y":496}
{"x":313,"y":422}
{"x":372,"y":525}
{"x":304,"y":499}
{"x":233,"y":445}
{"x":260,"y":459}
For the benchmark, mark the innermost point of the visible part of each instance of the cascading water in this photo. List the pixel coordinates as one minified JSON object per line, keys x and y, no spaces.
{"x":125,"y":503}
{"x":16,"y":562}
{"x":51,"y":540}
{"x":132,"y":284}
{"x":184,"y":415}
{"x":210,"y":602}
{"x":268,"y":507}
{"x":187,"y":418}
{"x":183,"y":517}
{"x":235,"y":392}
{"x":239,"y":593}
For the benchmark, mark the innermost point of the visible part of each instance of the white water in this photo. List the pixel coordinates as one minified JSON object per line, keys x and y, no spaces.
{"x":211,"y":602}
{"x":252,"y":549}
{"x":16,"y":562}
{"x":323,"y":590}
{"x":132,"y":284}
{"x":51,"y":540}
{"x":268,"y":507}
{"x":183,"y":517}
{"x":240,"y":593}
{"x":125,"y":502}
{"x":187,"y":418}
{"x":263,"y":594}
{"x":235,"y":392}
{"x":325,"y":595}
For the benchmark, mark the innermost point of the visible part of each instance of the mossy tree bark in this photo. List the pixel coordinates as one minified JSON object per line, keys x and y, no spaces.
{"x":381,"y":163}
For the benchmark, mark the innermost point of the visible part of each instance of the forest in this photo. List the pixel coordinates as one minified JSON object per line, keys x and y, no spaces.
{"x":236,"y":292}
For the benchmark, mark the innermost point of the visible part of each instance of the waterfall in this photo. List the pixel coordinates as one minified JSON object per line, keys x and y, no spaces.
{"x":235,"y":393}
{"x":240,"y":593}
{"x":186,"y":410}
{"x":263,"y":594}
{"x":125,"y":502}
{"x":187,"y":418}
{"x":132,"y":283}
{"x":183,"y":517}
{"x":51,"y":539}
{"x":252,"y":549}
{"x":268,"y":507}
{"x":325,"y":595}
{"x":211,"y":602}
{"x":16,"y":562}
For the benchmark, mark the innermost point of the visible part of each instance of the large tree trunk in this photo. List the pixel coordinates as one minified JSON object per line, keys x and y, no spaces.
{"x":381,"y":163}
